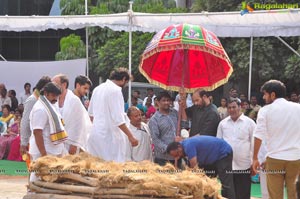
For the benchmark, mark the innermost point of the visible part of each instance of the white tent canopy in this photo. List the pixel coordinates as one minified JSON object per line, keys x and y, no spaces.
{"x":223,"y":24}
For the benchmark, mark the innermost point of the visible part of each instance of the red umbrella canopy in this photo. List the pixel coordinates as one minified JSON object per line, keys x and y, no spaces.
{"x":186,"y":56}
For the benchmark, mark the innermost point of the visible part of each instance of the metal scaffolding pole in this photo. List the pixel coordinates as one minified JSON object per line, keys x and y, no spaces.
{"x":130,"y":48}
{"x":250,"y":68}
{"x":87,"y":42}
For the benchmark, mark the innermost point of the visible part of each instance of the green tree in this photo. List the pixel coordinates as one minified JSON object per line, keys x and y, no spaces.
{"x":115,"y":53}
{"x":71,"y":47}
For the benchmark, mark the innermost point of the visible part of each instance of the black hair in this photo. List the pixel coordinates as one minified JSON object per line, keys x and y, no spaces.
{"x":82,"y":80}
{"x":173,"y":146}
{"x":12,"y":92}
{"x":138,"y":92}
{"x":203,"y":92}
{"x":149,"y":89}
{"x":42,"y":82}
{"x":119,"y":74}
{"x":27,"y":84}
{"x":164,"y":94}
{"x":274,"y":86}
{"x":7,"y":107}
{"x":51,"y":87}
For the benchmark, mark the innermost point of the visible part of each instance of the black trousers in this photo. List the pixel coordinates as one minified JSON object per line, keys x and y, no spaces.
{"x":242,"y":183}
{"x":224,"y":171}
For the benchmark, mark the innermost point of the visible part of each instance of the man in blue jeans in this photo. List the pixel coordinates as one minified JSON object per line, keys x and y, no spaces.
{"x":207,"y":150}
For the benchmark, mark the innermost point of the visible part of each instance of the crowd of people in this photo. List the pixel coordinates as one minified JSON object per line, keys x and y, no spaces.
{"x":232,"y":142}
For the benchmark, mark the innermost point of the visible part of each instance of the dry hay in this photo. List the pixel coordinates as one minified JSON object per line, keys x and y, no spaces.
{"x":143,"y":178}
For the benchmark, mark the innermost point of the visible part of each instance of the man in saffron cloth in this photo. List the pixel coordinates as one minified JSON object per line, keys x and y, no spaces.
{"x":48,"y":134}
{"x":107,"y":139}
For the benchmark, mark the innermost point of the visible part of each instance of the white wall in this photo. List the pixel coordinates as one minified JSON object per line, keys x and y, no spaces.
{"x":15,"y":74}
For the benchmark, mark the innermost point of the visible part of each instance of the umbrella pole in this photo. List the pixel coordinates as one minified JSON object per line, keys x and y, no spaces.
{"x":185,"y":60}
{"x":180,"y":106}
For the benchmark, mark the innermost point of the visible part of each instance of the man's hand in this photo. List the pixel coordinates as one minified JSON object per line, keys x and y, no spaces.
{"x":133,"y":141}
{"x":255,"y":166}
{"x":72,"y":149}
{"x":23,"y":150}
{"x":178,"y":139}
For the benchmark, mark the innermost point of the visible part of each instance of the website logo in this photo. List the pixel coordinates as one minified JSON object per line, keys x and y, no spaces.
{"x":246,"y":8}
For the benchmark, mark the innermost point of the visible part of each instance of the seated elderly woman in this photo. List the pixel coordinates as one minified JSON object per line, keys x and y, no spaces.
{"x":11,"y":134}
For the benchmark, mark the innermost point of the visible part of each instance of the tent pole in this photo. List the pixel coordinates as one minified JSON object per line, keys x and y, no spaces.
{"x":250,"y":68}
{"x":290,"y":47}
{"x":87,"y":42}
{"x":129,"y":54}
{"x":2,"y":57}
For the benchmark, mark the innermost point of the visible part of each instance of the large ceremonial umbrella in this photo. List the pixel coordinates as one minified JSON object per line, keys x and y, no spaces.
{"x":185,"y":56}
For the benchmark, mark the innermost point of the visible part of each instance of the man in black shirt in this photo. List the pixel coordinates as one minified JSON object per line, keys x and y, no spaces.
{"x":203,"y":114}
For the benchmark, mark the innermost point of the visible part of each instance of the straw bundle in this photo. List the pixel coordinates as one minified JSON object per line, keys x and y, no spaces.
{"x":85,"y":175}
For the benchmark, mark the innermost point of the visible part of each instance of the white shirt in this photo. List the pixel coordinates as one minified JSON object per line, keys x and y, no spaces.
{"x":77,"y":121}
{"x":39,"y":120}
{"x":143,"y":150}
{"x":23,"y":98}
{"x":279,"y":125}
{"x":239,"y":135}
{"x":106,"y":140}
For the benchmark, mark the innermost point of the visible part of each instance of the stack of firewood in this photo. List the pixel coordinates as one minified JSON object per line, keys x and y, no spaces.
{"x":86,"y":176}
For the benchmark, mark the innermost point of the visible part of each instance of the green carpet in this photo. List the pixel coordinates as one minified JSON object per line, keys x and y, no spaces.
{"x":13,"y":168}
{"x":255,"y":190}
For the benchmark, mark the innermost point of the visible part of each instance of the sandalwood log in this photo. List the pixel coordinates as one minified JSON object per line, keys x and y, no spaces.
{"x":81,"y":189}
{"x":82,"y":179}
{"x":63,"y":187}
{"x":38,"y":189}
{"x":53,"y":196}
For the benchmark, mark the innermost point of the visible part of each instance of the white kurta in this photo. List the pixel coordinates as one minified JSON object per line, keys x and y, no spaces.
{"x":106,"y":140}
{"x":77,"y":121}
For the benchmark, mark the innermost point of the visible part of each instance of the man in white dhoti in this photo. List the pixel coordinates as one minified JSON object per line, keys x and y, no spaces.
{"x":77,"y":121}
{"x":107,"y":139}
{"x":141,"y":131}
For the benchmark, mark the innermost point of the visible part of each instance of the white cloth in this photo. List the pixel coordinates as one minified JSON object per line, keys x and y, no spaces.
{"x":223,"y":112}
{"x":143,"y":150}
{"x":4,"y":101}
{"x":278,"y":124}
{"x":239,"y":135}
{"x":23,"y":98}
{"x":145,"y":100}
{"x":39,"y":120}
{"x":77,"y":121}
{"x":189,"y":101}
{"x":106,"y":140}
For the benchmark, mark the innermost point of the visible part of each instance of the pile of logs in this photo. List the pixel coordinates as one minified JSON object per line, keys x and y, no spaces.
{"x":84,"y":176}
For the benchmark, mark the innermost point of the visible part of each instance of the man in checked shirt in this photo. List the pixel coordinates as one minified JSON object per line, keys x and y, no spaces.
{"x":163,"y":125}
